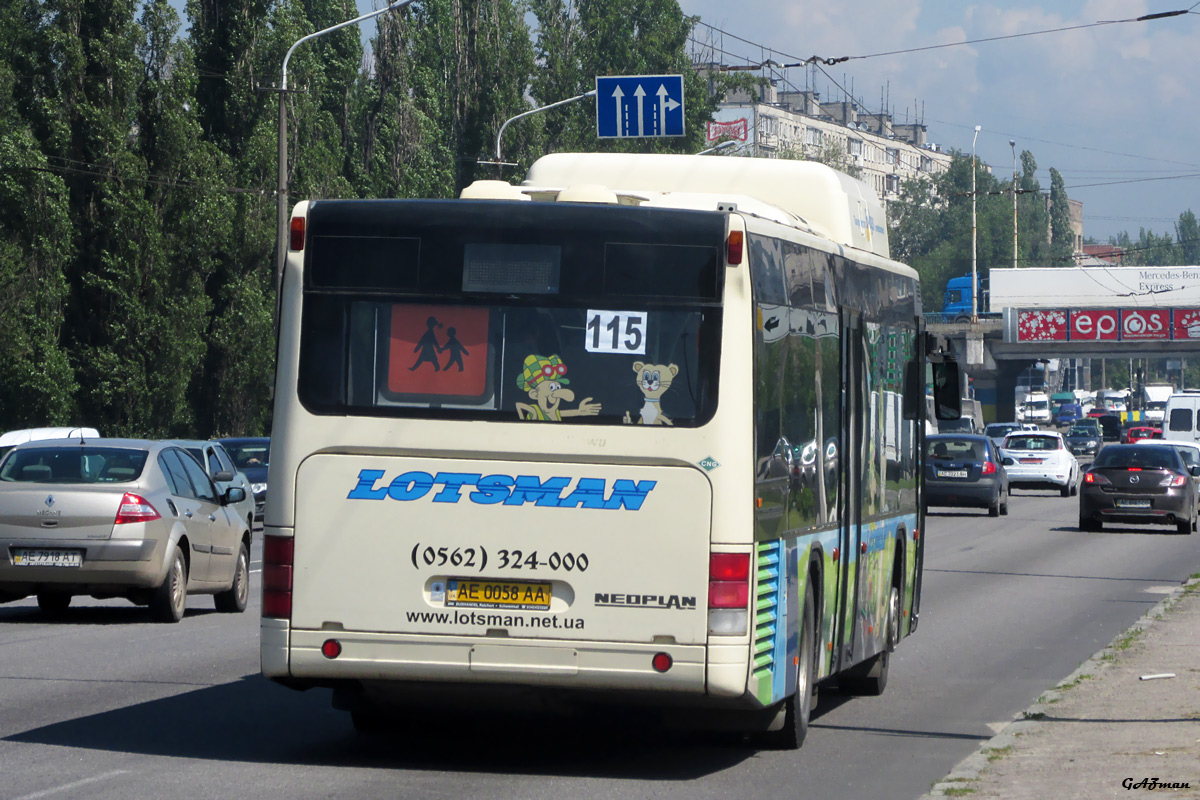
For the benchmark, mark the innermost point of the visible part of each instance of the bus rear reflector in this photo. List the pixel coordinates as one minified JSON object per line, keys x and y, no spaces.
{"x":278,"y":555}
{"x":296,"y":240}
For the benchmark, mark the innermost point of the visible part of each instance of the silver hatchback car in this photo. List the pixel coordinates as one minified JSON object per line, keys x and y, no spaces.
{"x":119,"y":518}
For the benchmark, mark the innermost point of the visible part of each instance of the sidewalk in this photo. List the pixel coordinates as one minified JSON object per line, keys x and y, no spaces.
{"x":1107,"y":730}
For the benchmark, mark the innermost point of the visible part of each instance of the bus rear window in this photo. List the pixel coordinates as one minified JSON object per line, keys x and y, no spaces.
{"x":538,"y":363}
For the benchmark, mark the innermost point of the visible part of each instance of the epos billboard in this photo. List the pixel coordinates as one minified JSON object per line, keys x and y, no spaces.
{"x":1105,"y":324}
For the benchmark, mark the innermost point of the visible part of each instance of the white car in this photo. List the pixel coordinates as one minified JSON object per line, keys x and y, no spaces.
{"x":1041,"y":460}
{"x":11,"y":439}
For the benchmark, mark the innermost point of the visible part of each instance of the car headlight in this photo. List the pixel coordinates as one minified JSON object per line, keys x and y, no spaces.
{"x":258,"y":488}
{"x":1092,"y":443}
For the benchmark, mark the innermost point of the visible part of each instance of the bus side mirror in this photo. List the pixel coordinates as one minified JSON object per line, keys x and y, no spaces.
{"x":947,"y":399}
{"x":914,"y":388}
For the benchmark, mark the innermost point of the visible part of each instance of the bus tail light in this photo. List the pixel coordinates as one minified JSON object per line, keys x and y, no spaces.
{"x":728,"y":593}
{"x":296,"y":240}
{"x":733,"y":247}
{"x":278,"y":555}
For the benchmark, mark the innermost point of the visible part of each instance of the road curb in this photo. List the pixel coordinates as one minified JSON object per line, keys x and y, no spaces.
{"x":970,"y":768}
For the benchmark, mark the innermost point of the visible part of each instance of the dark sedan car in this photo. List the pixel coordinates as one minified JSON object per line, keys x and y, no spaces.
{"x":1140,"y":484}
{"x":252,"y":455}
{"x":962,"y":470}
{"x":1083,"y":440}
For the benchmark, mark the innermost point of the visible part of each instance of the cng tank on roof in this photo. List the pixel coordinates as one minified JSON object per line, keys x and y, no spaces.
{"x":846,"y":210}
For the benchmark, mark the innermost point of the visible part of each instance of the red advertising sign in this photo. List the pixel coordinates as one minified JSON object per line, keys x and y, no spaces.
{"x":737,"y":129}
{"x":1187,"y":324}
{"x":1041,"y":326}
{"x":1145,"y":323}
{"x":1095,"y":323}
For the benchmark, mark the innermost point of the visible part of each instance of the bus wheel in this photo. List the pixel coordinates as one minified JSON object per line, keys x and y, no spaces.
{"x":798,"y":707}
{"x":871,"y":676}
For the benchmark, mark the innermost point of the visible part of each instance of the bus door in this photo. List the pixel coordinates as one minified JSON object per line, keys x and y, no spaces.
{"x":854,"y":411}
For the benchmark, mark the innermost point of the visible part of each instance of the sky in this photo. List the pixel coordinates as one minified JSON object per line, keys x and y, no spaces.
{"x":1111,"y":104}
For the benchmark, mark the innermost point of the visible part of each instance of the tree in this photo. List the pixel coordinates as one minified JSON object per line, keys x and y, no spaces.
{"x":1187,"y":234}
{"x":472,"y":62}
{"x":576,"y":43}
{"x":1062,"y":238}
{"x":37,"y":383}
{"x":830,"y":152}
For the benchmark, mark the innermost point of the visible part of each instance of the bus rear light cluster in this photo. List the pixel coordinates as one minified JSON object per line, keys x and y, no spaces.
{"x":278,"y":555}
{"x":728,"y":593}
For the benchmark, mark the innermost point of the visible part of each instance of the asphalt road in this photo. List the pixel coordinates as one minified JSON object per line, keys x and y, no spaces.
{"x":105,"y":704}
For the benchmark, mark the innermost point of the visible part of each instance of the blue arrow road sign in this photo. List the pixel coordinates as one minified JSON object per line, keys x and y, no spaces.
{"x":637,"y":106}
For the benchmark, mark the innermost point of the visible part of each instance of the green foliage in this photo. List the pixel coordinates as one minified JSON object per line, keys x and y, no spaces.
{"x":139,"y":163}
{"x":577,"y":42}
{"x":930,"y":224}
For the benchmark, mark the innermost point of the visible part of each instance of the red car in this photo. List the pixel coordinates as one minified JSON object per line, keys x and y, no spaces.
{"x":1134,"y":435}
{"x":1098,"y":412}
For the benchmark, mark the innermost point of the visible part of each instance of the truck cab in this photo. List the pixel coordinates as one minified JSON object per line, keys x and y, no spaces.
{"x":956,"y":304}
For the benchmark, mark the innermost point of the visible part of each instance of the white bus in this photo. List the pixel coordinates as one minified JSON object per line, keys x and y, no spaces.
{"x":622,"y":450}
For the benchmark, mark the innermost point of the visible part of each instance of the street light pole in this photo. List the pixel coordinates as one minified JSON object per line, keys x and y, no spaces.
{"x":974,"y":266}
{"x":1013,"y":144}
{"x":281,"y":210}
{"x":524,"y":114}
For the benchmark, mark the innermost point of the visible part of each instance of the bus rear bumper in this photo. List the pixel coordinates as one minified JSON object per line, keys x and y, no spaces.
{"x":452,"y":659}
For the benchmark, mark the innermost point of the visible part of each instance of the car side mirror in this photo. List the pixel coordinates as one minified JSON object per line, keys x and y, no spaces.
{"x":1195,"y":470}
{"x":224,"y":476}
{"x":1009,"y":461}
{"x":234,"y":494}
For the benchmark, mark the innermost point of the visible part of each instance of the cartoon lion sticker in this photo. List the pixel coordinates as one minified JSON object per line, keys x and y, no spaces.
{"x":653,"y":380}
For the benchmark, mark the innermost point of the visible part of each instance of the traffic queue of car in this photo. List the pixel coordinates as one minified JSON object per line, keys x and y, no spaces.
{"x":148,"y":521}
{"x":1126,"y":476}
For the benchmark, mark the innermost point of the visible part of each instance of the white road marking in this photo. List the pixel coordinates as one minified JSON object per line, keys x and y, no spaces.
{"x":1159,"y":589}
{"x":66,"y":787}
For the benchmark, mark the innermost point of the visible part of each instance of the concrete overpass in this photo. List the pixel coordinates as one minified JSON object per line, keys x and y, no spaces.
{"x":997,"y":350}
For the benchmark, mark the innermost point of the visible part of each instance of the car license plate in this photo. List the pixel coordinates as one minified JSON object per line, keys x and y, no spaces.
{"x":952,"y":473}
{"x":1133,"y":504}
{"x":1032,"y":460}
{"x":47,"y":558}
{"x":520,"y":595}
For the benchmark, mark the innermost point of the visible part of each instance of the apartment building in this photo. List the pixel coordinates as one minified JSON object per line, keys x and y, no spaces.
{"x":796,"y":124}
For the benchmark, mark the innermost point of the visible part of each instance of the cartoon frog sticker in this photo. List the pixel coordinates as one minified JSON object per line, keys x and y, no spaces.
{"x":544,"y":378}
